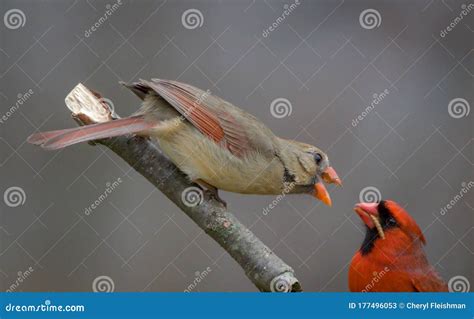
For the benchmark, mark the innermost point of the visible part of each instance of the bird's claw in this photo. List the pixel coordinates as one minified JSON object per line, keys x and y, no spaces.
{"x":211,"y":191}
{"x":214,"y":194}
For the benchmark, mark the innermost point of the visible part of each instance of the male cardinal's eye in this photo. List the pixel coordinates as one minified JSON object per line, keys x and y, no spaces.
{"x":318,"y":158}
{"x":392,"y":221}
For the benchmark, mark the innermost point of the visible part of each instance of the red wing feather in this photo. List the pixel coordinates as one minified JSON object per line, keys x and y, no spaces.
{"x":53,"y":140}
{"x":41,"y":137}
{"x":190,"y":107}
{"x":206,"y":112}
{"x":429,"y":282}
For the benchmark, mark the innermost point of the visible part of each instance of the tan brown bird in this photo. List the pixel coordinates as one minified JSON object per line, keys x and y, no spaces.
{"x":218,"y":145}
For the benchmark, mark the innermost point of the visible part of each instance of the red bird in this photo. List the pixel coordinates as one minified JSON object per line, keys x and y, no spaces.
{"x":391,"y":257}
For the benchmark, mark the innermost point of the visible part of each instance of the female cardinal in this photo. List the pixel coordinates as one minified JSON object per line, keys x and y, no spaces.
{"x":215,"y":143}
{"x":391,"y":257}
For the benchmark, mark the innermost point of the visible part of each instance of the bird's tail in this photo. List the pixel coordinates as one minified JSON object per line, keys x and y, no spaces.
{"x":53,"y":140}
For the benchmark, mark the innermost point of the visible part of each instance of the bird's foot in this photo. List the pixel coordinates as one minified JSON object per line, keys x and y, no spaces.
{"x":214,"y":193}
{"x":211,"y":191}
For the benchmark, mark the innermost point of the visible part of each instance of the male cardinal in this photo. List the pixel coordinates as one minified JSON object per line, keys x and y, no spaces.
{"x":218,"y":145}
{"x":391,"y":257}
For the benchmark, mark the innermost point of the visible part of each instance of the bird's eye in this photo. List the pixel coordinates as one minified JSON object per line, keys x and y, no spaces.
{"x":392,"y":221}
{"x":318,"y":158}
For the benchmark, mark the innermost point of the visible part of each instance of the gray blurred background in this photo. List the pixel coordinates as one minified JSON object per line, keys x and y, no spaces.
{"x":326,"y":61}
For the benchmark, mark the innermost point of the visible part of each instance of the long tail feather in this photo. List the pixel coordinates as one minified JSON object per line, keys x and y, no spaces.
{"x":53,"y":140}
{"x":41,"y":137}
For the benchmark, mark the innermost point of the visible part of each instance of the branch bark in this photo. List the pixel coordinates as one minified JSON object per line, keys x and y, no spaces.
{"x":265,"y":269}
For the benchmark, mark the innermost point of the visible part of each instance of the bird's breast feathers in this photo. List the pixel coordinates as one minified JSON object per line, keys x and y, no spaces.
{"x":202,"y":158}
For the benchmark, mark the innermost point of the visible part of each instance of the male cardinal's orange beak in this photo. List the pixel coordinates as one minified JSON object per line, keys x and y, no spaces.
{"x":365,"y":210}
{"x":369,"y":214}
{"x":321,"y":193}
{"x":330,"y":176}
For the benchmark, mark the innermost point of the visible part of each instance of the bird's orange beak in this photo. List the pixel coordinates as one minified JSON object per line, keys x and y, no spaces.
{"x":369,"y":214}
{"x":364,"y":210}
{"x":321,"y":193}
{"x":330,"y":176}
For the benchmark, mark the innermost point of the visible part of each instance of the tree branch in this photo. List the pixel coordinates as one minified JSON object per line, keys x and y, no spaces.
{"x":265,"y":269}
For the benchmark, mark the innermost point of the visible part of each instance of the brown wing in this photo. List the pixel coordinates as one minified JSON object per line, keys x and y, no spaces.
{"x":212,"y":116}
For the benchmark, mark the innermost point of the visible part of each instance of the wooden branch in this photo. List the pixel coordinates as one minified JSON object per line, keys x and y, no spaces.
{"x":265,"y":269}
